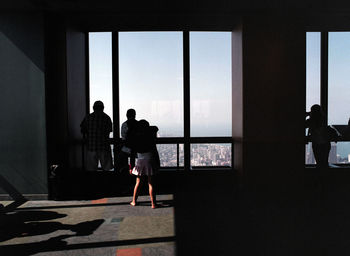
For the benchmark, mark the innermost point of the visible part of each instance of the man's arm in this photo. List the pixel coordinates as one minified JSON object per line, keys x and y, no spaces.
{"x":124,"y":130}
{"x":110,"y":125}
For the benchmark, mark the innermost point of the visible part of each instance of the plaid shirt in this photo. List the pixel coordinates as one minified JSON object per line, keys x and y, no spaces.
{"x":97,"y":126}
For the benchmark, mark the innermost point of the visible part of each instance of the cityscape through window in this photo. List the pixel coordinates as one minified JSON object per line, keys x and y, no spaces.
{"x":211,"y":154}
{"x":211,"y":90}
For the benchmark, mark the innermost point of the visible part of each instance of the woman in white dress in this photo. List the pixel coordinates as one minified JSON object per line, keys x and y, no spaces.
{"x":147,"y":160}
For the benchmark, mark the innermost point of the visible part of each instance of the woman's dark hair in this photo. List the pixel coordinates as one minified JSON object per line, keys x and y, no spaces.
{"x":143,"y":124}
{"x":316,"y":115}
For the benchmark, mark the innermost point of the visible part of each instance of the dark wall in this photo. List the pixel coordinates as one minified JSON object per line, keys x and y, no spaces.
{"x":22,"y":102}
{"x":76,"y":92}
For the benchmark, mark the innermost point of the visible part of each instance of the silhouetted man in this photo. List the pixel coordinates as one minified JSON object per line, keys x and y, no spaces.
{"x":96,"y":128}
{"x":127,"y":141}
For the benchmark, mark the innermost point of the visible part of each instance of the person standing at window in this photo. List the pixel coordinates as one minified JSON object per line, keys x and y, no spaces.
{"x":319,"y":135}
{"x":147,"y":160}
{"x":96,"y":128}
{"x":127,"y":151}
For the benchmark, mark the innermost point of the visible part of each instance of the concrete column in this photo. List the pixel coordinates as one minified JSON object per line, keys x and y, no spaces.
{"x":268,"y":95}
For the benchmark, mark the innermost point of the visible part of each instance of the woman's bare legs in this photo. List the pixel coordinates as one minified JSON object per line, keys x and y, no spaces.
{"x":136,"y":191}
{"x":151,"y":192}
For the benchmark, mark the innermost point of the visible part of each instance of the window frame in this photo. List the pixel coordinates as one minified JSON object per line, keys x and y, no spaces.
{"x":186,"y":140}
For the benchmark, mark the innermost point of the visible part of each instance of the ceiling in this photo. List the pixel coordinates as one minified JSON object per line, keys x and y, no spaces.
{"x":178,"y":6}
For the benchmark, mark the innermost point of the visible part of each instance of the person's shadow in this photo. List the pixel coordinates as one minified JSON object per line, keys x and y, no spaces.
{"x":28,"y":223}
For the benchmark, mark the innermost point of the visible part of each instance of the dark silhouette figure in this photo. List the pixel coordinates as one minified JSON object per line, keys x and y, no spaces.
{"x":147,"y":159}
{"x":96,"y":128}
{"x":319,"y":133}
{"x":127,"y":151}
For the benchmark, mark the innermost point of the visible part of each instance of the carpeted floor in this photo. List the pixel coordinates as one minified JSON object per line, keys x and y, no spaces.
{"x":108,"y":226}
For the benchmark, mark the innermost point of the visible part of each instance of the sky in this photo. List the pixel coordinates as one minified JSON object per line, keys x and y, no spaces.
{"x":151,"y":79}
{"x":338,"y":74}
{"x":339,"y":78}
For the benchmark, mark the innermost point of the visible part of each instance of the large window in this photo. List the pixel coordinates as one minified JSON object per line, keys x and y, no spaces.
{"x":147,"y":73}
{"x":313,"y":69}
{"x":151,"y":79}
{"x":338,"y":78}
{"x":100,"y":70}
{"x":211,"y":86}
{"x":313,"y":80}
{"x":335,"y":91}
{"x":211,"y":90}
{"x":339,"y":90}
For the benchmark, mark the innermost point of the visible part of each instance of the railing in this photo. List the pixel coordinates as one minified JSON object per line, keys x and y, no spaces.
{"x":344,"y":136}
{"x":196,"y":140}
{"x":193,"y":140}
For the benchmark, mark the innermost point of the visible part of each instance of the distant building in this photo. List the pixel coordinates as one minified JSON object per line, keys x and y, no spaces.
{"x":310,"y":158}
{"x":333,"y":154}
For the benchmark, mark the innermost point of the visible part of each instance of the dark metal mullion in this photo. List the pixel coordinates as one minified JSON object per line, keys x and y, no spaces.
{"x":87,"y":89}
{"x":232,"y":153}
{"x":177,"y":155}
{"x":193,"y":140}
{"x":324,"y":73}
{"x":186,"y":95}
{"x":87,"y":72}
{"x":115,"y":89}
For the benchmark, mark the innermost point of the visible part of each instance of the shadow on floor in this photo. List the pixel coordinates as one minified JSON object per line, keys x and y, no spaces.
{"x":32,"y":223}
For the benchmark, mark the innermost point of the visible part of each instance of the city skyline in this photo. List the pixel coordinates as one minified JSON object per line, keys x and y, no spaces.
{"x":336,"y":156}
{"x":215,"y":154}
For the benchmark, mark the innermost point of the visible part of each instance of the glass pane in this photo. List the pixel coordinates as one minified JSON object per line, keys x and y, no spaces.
{"x":168,"y":155}
{"x":100,"y":70}
{"x":211,"y":86}
{"x":338,"y":78}
{"x":151,"y":79}
{"x":313,"y":69}
{"x":182,"y":156}
{"x":309,"y":155}
{"x":340,"y":153}
{"x":211,"y":155}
